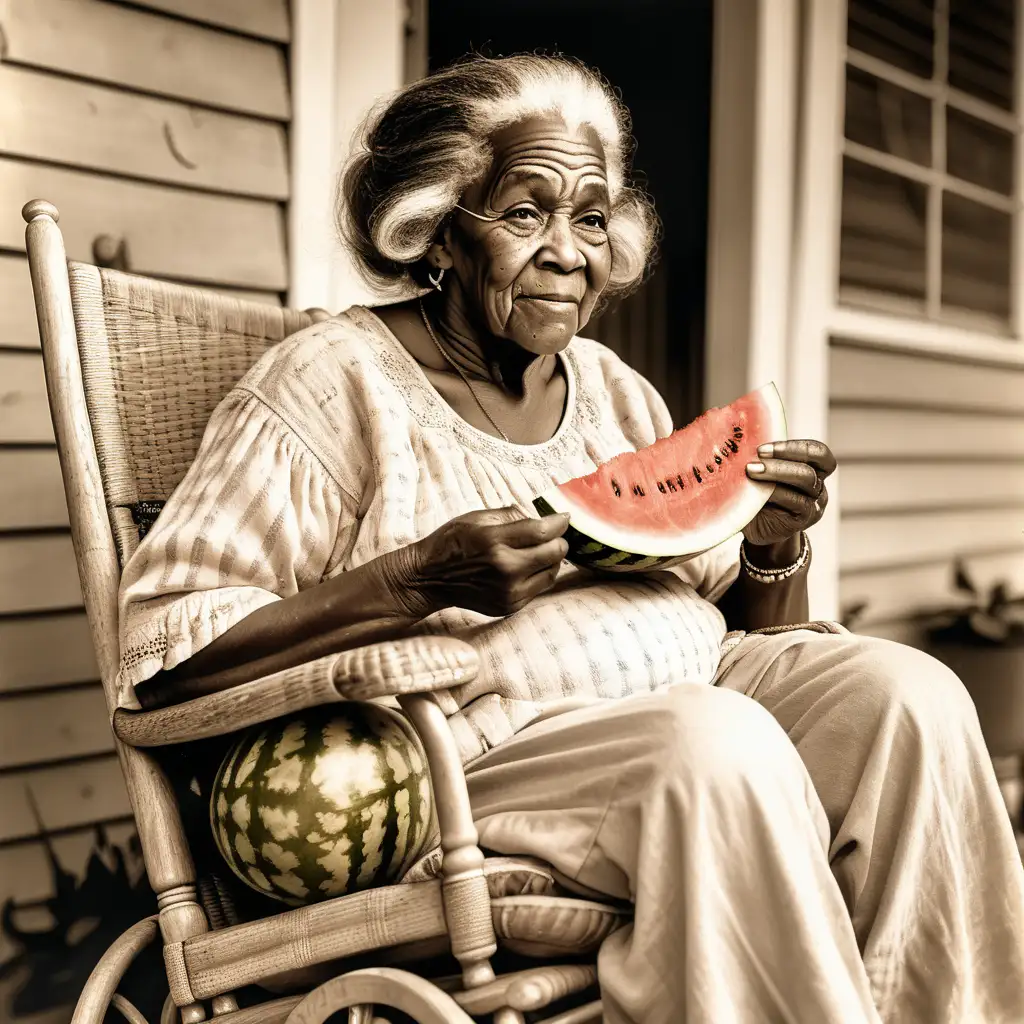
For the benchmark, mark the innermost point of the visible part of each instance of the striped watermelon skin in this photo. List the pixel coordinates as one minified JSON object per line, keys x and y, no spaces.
{"x":592,"y":554}
{"x":322,"y":803}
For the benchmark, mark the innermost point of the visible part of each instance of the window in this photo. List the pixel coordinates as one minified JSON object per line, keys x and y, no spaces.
{"x":931,"y":175}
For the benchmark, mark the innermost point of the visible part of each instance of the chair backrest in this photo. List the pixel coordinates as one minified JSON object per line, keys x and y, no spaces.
{"x":156,"y":359}
{"x":134,"y":368}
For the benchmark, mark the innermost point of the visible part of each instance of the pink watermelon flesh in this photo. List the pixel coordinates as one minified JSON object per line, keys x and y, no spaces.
{"x":691,"y":487}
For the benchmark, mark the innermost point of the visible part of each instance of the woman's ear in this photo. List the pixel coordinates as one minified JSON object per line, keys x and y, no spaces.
{"x":439,"y":257}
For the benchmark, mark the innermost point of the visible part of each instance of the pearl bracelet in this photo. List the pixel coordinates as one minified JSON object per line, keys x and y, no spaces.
{"x":774,"y":575}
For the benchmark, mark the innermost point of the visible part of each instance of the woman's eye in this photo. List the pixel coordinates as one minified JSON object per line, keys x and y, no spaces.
{"x":594,"y":220}
{"x":521,"y":213}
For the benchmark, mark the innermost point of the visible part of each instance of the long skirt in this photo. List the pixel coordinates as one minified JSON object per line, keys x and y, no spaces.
{"x":817,"y":837}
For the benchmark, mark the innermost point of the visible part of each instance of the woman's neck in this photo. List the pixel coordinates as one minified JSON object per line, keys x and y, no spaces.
{"x":483,"y":357}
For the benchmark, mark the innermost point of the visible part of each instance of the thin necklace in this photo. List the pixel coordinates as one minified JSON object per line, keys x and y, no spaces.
{"x":458,"y":370}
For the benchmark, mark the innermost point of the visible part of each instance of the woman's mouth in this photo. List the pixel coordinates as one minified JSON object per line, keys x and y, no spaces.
{"x":554,"y":300}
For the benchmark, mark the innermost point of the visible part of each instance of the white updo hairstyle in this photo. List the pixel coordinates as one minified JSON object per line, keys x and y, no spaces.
{"x":419,"y":152}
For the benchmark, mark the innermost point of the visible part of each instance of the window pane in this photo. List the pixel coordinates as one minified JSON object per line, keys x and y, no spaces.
{"x":975,"y":256}
{"x":979,"y":152}
{"x":981,"y":35}
{"x":888,"y":118}
{"x":899,"y":32}
{"x":883,"y":231}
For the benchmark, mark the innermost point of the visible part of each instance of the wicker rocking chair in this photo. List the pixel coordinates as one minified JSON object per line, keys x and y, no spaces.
{"x":134,"y":368}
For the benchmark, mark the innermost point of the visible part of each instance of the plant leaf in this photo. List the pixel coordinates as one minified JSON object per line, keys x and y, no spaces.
{"x":961,"y":580}
{"x":989,"y":627}
{"x":851,"y":613}
{"x":997,"y":598}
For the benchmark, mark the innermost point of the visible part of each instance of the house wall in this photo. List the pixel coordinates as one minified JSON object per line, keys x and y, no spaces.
{"x":926,"y":419}
{"x":164,"y":125}
{"x":932,"y":452}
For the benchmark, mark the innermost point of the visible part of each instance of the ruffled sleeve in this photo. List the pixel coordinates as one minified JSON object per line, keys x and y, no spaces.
{"x":256,"y":519}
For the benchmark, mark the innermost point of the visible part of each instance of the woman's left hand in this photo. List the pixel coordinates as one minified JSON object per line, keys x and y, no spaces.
{"x":799,"y":470}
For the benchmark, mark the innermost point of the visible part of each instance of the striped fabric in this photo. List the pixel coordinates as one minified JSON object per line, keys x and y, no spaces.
{"x":334,"y":449}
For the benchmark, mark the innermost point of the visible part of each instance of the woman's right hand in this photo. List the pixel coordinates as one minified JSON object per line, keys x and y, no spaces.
{"x":493,"y":561}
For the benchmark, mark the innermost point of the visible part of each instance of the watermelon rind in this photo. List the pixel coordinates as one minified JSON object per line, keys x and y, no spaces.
{"x":323,"y":803}
{"x":596,"y":544}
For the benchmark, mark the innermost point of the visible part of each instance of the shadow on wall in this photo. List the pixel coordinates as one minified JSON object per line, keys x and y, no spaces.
{"x":55,"y":943}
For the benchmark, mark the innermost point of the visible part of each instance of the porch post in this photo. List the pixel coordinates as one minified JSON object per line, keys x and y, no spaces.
{"x":816,"y":266}
{"x":345,"y":55}
{"x":773,"y":221}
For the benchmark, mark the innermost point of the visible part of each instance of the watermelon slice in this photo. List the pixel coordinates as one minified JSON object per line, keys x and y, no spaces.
{"x":676,"y":498}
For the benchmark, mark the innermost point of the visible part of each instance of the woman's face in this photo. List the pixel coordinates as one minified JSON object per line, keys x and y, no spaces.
{"x":533,"y":275}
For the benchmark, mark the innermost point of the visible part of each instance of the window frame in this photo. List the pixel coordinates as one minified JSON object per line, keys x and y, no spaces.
{"x":959,"y":329}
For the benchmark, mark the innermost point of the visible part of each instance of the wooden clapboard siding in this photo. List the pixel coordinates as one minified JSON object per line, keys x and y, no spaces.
{"x":149,"y":52}
{"x":17,"y":308}
{"x":42,"y":651}
{"x":65,"y":796}
{"x":931,"y":450}
{"x":39,"y":727}
{"x":169,"y":232}
{"x":926,"y":536}
{"x":31,"y":489}
{"x":865,"y":376}
{"x":25,"y":870}
{"x":63,"y":120}
{"x":866,"y":432}
{"x":24,"y":412}
{"x":873,"y":487}
{"x":37,"y":573}
{"x":267,"y":19}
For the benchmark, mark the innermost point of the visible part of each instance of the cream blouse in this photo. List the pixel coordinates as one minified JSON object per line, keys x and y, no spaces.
{"x":334,"y":449}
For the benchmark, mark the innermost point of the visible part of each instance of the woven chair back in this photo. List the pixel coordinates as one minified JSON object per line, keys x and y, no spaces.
{"x":157,"y":358}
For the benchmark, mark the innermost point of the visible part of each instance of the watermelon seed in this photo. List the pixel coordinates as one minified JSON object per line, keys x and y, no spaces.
{"x":679,"y":480}
{"x":638,"y":490}
{"x":709,"y":467}
{"x":733,"y":446}
{"x":617,"y":489}
{"x":737,"y":432}
{"x":661,"y":487}
{"x":671,"y":486}
{"x":696,"y":473}
{"x":718,"y":459}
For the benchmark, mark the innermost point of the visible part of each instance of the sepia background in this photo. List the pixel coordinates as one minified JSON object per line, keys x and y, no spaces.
{"x":841,"y":187}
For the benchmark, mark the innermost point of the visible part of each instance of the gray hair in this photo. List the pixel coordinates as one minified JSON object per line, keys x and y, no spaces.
{"x":421,"y":150}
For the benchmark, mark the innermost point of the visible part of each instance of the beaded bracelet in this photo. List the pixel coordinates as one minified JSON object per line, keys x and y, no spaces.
{"x":774,"y":575}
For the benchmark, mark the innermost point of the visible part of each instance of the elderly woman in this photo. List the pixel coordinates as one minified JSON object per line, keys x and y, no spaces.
{"x":806,"y":820}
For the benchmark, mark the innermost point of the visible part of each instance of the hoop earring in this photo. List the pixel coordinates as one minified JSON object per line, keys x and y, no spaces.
{"x":436,"y":283}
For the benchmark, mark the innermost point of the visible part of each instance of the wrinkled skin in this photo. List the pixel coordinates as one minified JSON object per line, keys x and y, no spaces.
{"x":532,"y":274}
{"x":494,"y":561}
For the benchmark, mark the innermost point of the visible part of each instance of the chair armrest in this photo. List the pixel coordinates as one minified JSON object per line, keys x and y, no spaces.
{"x":414,"y":665}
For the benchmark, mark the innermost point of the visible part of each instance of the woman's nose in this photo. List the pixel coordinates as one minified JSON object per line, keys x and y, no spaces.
{"x":559,"y":248}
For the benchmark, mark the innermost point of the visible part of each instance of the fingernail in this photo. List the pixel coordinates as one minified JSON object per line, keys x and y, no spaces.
{"x":755,"y":467}
{"x":766,"y":451}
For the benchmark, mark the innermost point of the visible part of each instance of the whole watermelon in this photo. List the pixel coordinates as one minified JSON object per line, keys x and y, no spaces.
{"x":322,"y":803}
